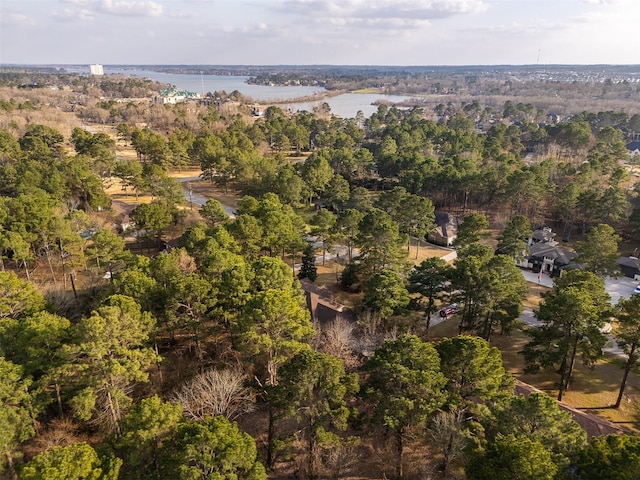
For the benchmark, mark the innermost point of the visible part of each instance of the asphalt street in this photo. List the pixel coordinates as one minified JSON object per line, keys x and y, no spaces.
{"x":199,"y":199}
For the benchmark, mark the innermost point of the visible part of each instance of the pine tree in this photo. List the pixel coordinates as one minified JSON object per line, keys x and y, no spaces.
{"x":308,"y":268}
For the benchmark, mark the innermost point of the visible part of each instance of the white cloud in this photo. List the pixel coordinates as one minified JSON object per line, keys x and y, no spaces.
{"x":591,"y":17}
{"x":259,"y":29}
{"x":89,"y":9}
{"x":78,"y":3}
{"x":601,"y":2}
{"x":18,"y":19}
{"x":322,"y":31}
{"x":519,"y":29}
{"x":381,"y":23}
{"x":382,"y":9}
{"x":131,"y":9}
{"x":69,"y":15}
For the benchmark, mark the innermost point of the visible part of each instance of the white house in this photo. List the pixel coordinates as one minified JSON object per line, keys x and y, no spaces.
{"x":173,"y":96}
{"x":96,"y":69}
{"x":633,"y":148}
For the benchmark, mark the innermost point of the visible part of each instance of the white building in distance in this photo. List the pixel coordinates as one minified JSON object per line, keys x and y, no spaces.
{"x":96,"y":69}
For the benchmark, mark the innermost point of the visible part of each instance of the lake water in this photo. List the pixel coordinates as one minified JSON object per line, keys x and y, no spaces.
{"x":346,"y":105}
{"x":217,"y":83}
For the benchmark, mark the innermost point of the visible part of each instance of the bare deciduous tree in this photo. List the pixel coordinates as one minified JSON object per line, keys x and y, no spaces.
{"x":336,"y":338}
{"x":60,"y":432}
{"x":450,"y":436}
{"x":216,"y":392}
{"x":370,"y":336}
{"x":339,"y":458}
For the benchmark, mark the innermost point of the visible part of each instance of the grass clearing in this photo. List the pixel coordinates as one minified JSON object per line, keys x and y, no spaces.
{"x":329,"y":277}
{"x":425,"y":250}
{"x":329,"y":273}
{"x":533,"y":295}
{"x":592,"y":390}
{"x":368,"y":90}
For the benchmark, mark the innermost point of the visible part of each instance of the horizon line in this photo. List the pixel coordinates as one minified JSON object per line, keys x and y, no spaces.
{"x":2,"y":64}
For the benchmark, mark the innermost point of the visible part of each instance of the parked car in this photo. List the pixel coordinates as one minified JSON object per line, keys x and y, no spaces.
{"x":637,"y":289}
{"x":448,"y":310}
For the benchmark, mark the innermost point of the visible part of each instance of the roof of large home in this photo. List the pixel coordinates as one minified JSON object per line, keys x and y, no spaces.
{"x":628,"y":261}
{"x":552,"y":251}
{"x":543,"y":235}
{"x":443,"y":218}
{"x":325,"y":309}
{"x":447,"y":224}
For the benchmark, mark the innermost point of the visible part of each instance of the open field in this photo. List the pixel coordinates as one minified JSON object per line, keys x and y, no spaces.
{"x":425,"y":250}
{"x":209,"y":190}
{"x":368,"y":90}
{"x":329,"y":273}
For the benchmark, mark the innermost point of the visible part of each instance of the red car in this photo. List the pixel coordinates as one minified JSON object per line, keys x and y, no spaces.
{"x":449,"y":310}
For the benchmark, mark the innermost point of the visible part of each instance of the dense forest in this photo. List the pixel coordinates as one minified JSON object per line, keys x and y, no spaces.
{"x":190,"y":351}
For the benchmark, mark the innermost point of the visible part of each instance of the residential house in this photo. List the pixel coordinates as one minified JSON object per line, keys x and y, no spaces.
{"x":545,"y":255}
{"x":633,"y":148}
{"x":320,"y":303}
{"x":543,"y":235}
{"x":173,"y":96}
{"x":550,"y":258}
{"x":446,"y":229}
{"x":629,"y":267}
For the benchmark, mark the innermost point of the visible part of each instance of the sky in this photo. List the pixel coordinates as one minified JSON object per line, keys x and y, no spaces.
{"x":330,"y":32}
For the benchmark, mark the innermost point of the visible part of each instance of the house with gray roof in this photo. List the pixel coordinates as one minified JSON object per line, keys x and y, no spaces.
{"x":629,"y":267}
{"x":446,"y":229}
{"x":544,"y":254}
{"x":543,"y":235}
{"x":551,"y":259}
{"x":633,"y":148}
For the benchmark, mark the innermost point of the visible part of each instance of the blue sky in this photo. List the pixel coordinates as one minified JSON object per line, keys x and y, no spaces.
{"x":338,"y":32}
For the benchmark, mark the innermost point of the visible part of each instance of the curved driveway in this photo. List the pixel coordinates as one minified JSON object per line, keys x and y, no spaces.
{"x":617,"y":288}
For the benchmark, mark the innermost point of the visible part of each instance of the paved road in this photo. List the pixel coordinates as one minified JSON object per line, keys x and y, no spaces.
{"x":621,"y":287}
{"x":529,"y":318}
{"x":617,"y":288}
{"x":200,"y":199}
{"x":539,"y":278}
